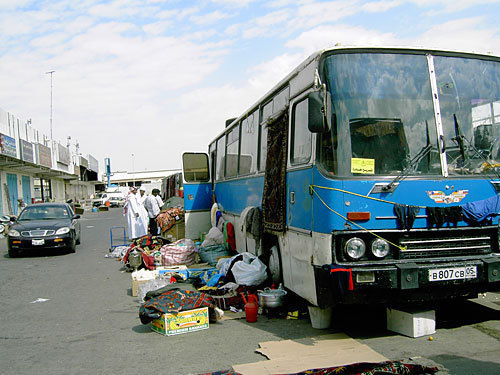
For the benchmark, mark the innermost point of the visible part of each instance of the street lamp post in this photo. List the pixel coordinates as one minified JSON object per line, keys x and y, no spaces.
{"x":133,"y":173}
{"x":50,"y":72}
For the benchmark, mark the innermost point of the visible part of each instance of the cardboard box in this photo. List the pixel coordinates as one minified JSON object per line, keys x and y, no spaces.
{"x":415,"y":323}
{"x":175,"y":233}
{"x":182,"y":322}
{"x":140,"y":277}
{"x":135,"y":286}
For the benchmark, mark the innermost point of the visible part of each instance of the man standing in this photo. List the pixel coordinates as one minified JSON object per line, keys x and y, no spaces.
{"x":137,"y":227}
{"x":153,"y":206}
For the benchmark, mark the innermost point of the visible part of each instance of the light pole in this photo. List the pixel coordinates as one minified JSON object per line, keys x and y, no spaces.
{"x":133,"y":173}
{"x":51,"y":72}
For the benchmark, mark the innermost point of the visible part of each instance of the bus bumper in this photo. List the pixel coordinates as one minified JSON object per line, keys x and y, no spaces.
{"x":407,"y":282}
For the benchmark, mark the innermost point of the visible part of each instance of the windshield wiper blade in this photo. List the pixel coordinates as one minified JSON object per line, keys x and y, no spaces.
{"x":411,"y":165}
{"x":459,"y":138}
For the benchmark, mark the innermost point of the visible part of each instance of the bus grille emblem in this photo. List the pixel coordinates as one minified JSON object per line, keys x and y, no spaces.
{"x":440,"y":197}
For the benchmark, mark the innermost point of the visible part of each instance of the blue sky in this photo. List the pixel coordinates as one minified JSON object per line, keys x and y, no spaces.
{"x":156,"y":78}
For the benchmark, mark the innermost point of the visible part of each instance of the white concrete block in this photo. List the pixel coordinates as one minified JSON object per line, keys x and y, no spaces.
{"x":412,"y":323}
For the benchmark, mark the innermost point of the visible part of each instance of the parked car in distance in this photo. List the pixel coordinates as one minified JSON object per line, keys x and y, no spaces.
{"x":44,"y":225}
{"x":101,"y":198}
{"x":116,"y":201}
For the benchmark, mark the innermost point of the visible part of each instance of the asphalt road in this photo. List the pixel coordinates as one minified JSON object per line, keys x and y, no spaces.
{"x":63,"y":313}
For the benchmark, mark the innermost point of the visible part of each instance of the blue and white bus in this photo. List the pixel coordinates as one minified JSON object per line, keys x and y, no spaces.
{"x":375,"y":172}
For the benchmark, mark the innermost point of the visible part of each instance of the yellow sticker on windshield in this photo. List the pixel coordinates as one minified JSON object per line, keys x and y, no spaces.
{"x":365,"y":166}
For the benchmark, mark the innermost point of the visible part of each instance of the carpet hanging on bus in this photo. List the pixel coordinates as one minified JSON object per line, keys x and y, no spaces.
{"x":274,"y":196}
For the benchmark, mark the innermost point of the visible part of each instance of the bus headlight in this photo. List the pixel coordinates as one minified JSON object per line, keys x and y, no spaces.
{"x":355,"y":248}
{"x":380,"y":248}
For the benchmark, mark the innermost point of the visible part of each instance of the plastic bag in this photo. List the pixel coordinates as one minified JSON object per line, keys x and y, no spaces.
{"x":177,"y":253}
{"x":149,"y":286}
{"x":214,"y":237}
{"x":249,"y":271}
{"x":209,"y":254}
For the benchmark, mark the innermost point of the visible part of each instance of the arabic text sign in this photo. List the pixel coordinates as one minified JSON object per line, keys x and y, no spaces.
{"x":364,"y":166}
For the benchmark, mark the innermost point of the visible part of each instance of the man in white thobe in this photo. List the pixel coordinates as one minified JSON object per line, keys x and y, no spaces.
{"x":137,"y":226}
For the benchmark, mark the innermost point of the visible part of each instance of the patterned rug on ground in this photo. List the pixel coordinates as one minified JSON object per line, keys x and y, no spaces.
{"x":365,"y":368}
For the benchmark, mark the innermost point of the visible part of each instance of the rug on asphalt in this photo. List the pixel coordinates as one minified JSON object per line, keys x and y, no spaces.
{"x":365,"y":368}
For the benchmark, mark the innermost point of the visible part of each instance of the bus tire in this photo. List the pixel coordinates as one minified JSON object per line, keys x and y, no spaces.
{"x":275,"y":265}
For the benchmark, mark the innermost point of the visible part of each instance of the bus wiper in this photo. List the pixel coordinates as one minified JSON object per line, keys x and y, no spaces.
{"x":459,"y":138}
{"x":411,"y":165}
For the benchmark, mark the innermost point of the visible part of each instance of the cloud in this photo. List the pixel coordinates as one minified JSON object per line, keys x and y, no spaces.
{"x":380,"y":6}
{"x":209,"y":18}
{"x":264,"y":25}
{"x":467,"y":34}
{"x":450,"y":6}
{"x":328,"y":36}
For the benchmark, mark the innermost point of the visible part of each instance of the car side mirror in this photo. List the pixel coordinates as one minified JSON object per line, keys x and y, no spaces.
{"x":13,"y":218}
{"x":76,"y":216}
{"x":319,"y":111}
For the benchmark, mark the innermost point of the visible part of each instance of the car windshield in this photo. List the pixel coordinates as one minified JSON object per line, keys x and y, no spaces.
{"x":43,"y":213}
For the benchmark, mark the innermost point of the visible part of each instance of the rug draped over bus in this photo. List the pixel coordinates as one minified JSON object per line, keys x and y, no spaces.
{"x":274,"y":196}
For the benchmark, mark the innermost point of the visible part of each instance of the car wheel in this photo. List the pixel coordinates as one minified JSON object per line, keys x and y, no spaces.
{"x":72,"y":246}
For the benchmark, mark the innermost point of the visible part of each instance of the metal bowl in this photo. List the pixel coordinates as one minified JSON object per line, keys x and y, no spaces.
{"x":271,"y":298}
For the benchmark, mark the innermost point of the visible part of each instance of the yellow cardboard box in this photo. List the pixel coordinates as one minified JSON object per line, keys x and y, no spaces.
{"x":182,"y":322}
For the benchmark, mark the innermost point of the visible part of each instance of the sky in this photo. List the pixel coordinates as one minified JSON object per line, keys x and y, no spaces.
{"x":142,"y":81}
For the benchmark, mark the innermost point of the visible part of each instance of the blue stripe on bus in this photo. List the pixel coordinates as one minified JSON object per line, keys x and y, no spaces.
{"x":309,"y":213}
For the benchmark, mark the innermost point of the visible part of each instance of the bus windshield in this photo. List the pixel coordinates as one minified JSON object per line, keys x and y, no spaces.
{"x":385,"y":120}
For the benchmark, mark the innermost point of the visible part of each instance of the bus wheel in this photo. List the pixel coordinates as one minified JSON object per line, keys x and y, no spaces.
{"x":274,"y":265}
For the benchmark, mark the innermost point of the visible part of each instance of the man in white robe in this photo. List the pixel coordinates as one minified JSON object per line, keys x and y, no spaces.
{"x":137,"y":226}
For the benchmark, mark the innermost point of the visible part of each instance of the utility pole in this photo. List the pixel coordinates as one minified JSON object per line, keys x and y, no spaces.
{"x":51,"y":72}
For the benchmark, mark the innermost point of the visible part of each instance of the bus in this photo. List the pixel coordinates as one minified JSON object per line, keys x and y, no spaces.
{"x":375,"y":173}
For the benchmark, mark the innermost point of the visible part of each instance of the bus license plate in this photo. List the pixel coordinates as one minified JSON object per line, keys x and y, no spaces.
{"x":38,"y":242}
{"x":453,"y":273}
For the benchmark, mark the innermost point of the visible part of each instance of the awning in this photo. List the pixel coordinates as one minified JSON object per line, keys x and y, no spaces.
{"x":20,"y":166}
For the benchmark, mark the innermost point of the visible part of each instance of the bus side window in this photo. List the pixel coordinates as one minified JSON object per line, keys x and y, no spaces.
{"x":232,"y":151}
{"x":267,"y":112}
{"x":221,"y":150}
{"x":301,"y":137}
{"x":249,"y":141}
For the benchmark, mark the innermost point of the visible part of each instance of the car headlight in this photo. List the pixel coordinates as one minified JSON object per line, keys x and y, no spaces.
{"x":380,"y":248}
{"x":355,"y":248}
{"x":62,"y":230}
{"x":14,"y":233}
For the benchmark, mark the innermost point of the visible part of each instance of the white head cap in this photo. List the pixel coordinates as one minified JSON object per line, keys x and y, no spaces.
{"x":142,"y":188}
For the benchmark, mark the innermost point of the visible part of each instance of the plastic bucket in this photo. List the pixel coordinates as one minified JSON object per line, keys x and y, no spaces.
{"x":320,"y":318}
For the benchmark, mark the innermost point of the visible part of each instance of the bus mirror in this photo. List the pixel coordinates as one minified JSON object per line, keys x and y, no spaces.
{"x":319,"y":117}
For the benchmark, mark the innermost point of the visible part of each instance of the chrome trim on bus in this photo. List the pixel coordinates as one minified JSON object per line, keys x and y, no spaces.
{"x":394,"y":217}
{"x":437,"y":115}
{"x":419,"y":250}
{"x":300,"y":230}
{"x":445,"y":240}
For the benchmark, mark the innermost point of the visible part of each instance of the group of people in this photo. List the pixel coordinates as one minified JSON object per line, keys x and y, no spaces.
{"x":141,"y":211}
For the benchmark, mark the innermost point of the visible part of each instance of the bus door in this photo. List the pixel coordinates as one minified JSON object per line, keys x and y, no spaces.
{"x":197,"y":194}
{"x":299,"y":175}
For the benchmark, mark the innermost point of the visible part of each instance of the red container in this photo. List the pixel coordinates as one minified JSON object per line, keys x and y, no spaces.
{"x":251,"y":307}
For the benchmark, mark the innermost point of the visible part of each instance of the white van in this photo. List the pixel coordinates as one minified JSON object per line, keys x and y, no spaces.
{"x":116,"y":199}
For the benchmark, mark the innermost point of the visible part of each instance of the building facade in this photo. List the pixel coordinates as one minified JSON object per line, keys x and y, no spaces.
{"x":37,"y":169}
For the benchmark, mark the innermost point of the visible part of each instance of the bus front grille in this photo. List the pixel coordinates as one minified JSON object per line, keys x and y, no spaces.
{"x":447,"y":246}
